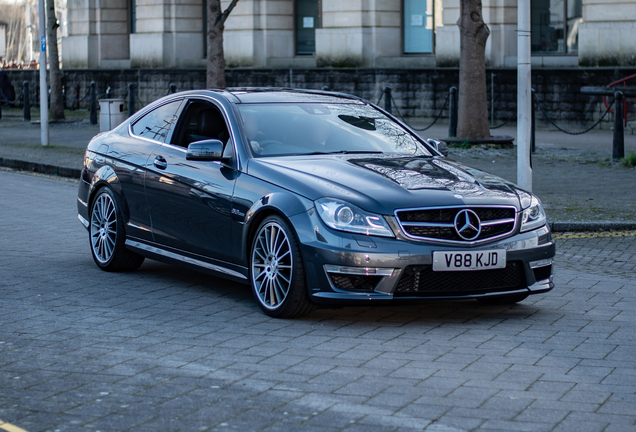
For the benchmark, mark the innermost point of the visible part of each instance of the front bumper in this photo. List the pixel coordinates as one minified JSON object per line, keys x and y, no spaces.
{"x":342,"y":267}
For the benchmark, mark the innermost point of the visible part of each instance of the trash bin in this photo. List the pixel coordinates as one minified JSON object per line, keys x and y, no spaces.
{"x":111,"y":113}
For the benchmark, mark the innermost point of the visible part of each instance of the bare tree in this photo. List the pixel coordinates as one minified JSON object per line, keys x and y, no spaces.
{"x":55,"y":76}
{"x":472,"y":103}
{"x":215,"y":76}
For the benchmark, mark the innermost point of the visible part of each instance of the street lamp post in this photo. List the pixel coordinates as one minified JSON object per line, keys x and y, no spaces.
{"x":44,"y":107}
{"x":524,"y":96}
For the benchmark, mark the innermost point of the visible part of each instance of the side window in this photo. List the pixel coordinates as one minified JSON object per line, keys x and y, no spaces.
{"x":158,"y":124}
{"x":201,"y":121}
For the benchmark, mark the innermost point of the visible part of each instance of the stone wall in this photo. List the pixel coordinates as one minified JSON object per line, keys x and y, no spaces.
{"x":418,"y":94}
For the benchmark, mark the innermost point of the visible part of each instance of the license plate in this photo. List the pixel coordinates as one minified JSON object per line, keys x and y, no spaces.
{"x":465,"y":261}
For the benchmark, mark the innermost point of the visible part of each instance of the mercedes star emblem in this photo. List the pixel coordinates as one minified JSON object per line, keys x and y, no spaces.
{"x":467,"y":224}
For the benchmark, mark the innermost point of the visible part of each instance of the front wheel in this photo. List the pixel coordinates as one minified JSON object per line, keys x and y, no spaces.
{"x":107,"y":235}
{"x":277,"y":274}
{"x":503,"y":299}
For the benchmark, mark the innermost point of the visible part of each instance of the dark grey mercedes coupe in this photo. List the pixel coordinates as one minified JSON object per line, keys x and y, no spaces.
{"x":311,"y":197}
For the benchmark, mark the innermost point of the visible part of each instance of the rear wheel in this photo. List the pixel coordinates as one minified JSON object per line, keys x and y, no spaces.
{"x":277,"y":274}
{"x":503,"y":299}
{"x":107,"y":235}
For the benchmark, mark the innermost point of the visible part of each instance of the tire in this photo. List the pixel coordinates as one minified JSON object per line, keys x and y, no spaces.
{"x":503,"y":299}
{"x":107,"y":236}
{"x":277,"y":274}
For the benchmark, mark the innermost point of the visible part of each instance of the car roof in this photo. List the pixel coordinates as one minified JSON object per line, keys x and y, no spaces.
{"x":285,"y":95}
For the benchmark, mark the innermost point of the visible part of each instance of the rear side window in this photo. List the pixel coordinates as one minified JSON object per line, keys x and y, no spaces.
{"x":159,"y":123}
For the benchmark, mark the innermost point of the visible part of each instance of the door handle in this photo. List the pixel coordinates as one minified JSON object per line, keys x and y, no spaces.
{"x":160,"y":162}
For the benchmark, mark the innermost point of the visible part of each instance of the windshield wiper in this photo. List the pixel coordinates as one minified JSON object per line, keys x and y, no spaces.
{"x":343,"y":152}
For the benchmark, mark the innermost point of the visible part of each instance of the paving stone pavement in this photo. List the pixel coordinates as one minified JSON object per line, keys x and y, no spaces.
{"x":168,"y":349}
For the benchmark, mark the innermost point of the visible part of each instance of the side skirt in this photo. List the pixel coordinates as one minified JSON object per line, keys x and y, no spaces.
{"x":217,"y":268}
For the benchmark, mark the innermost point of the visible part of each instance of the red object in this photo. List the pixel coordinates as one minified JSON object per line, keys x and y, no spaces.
{"x":628,"y":103}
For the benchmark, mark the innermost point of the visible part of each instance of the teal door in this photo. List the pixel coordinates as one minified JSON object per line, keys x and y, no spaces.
{"x":418,"y":26}
{"x":307,"y":21}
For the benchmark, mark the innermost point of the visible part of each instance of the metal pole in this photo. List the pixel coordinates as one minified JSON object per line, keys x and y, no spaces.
{"x":44,"y":108}
{"x":387,"y":99}
{"x":27,"y":102}
{"x":131,"y":99}
{"x":533,"y":125}
{"x":492,"y":99}
{"x":173,"y":88}
{"x":618,"y":152}
{"x":93,"y":104}
{"x":524,"y":96}
{"x":452,"y":113}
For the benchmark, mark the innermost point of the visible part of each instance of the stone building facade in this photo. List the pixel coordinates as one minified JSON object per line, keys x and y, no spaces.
{"x":114,"y":34}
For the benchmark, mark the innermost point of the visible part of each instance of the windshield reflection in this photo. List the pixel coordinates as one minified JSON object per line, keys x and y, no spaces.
{"x":277,"y":129}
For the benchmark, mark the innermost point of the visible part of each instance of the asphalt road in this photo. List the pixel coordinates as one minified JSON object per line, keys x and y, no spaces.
{"x":167,"y":349}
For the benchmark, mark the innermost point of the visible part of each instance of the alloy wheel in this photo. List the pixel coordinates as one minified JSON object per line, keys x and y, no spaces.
{"x":272,"y":264}
{"x":103,"y":228}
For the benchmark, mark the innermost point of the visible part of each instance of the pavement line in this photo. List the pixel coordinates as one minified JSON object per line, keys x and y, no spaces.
{"x":10,"y":428}
{"x":593,"y":234}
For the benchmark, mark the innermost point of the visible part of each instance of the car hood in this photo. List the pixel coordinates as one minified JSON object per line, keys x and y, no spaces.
{"x":385,"y":183}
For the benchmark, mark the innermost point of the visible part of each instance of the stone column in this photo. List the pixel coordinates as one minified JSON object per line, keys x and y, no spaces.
{"x":607,"y":35}
{"x":80,"y":49}
{"x":169,"y":33}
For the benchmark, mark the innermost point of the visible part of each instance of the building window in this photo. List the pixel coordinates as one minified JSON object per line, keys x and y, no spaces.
{"x":308,"y":19}
{"x":418,"y":26}
{"x":133,"y":16}
{"x":551,"y":33}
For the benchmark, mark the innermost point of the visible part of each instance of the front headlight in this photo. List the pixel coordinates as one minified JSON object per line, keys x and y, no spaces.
{"x":533,"y":217}
{"x":342,"y":216}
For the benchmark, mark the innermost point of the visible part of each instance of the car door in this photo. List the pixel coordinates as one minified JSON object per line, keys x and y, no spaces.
{"x":191,"y":201}
{"x":130,"y":154}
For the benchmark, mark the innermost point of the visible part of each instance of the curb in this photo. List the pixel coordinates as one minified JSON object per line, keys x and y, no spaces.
{"x":592,"y":226}
{"x":40,"y":168}
{"x":560,"y":226}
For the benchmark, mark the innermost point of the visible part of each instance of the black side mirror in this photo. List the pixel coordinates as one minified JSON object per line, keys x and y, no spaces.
{"x":206,"y":150}
{"x":438,"y":145}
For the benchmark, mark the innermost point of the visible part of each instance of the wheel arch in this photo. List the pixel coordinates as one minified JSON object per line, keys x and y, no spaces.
{"x":107,"y":177}
{"x":279,"y":204}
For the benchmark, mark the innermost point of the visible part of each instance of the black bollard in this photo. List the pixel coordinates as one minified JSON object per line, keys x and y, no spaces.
{"x":533,"y":105}
{"x":93,"y":104}
{"x":64,"y":97}
{"x":325,"y":88}
{"x":452,"y":113}
{"x":387,"y":99}
{"x":131,"y":99}
{"x":618,"y":151}
{"x":27,"y":102}
{"x":173,"y":88}
{"x":108,"y":92}
{"x":76,"y":102}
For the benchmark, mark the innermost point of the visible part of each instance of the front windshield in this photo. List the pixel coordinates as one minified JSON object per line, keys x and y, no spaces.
{"x":277,"y":129}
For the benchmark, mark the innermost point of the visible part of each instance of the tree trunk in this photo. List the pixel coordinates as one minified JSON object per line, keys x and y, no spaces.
{"x":472,"y":103}
{"x":55,"y":76}
{"x":215,"y":76}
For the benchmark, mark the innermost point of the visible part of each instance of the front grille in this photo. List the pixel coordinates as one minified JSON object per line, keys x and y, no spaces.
{"x":423,"y":281}
{"x":354,"y":282}
{"x":542,"y":273}
{"x":439,"y":223}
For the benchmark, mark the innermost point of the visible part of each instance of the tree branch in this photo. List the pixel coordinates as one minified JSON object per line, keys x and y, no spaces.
{"x":227,"y":11}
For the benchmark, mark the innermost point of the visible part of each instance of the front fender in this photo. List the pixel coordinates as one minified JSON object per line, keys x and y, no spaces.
{"x":257,"y":200}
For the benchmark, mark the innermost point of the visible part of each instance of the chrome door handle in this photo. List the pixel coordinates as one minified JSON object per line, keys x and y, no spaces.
{"x":160,"y":162}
